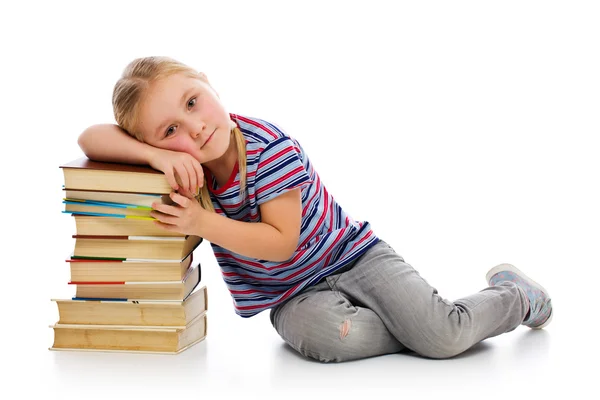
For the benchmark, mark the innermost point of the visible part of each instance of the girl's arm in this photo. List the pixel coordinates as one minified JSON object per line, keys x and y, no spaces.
{"x":110,"y":143}
{"x":107,"y":142}
{"x":275,"y":238}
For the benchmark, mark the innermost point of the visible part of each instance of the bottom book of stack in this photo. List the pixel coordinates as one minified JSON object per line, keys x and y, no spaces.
{"x":156,"y":326}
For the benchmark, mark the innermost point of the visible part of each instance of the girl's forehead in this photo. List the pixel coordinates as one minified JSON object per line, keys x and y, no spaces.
{"x":173,"y":87}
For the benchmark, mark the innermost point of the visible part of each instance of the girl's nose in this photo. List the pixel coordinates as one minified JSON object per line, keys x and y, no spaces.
{"x":197,"y":128}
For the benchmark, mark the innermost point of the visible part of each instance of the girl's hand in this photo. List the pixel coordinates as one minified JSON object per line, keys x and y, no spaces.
{"x":181,"y":170}
{"x":184,"y":217}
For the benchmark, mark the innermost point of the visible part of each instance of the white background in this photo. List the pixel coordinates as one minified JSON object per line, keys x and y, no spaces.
{"x":466,"y":132}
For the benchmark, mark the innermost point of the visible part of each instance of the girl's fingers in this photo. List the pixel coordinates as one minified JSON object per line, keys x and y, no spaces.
{"x":183,"y":176}
{"x":164,"y":209}
{"x":170,"y":175}
{"x":163,"y":218}
{"x":168,"y":227}
{"x":188,"y":194}
{"x":191,"y":176}
{"x":179,"y":199}
{"x":199,"y":174}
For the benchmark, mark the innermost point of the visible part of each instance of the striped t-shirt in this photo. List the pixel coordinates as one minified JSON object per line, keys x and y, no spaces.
{"x":329,"y":238}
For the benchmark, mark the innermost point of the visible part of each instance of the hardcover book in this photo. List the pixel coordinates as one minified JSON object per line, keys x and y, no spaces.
{"x":149,"y":313}
{"x":167,"y":290}
{"x":118,"y":225}
{"x":122,"y":269}
{"x":129,"y":338}
{"x":85,"y":174}
{"x":138,"y":199}
{"x":151,"y":247}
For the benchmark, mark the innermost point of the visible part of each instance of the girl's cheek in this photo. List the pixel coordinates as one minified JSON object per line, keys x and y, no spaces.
{"x":183,"y":144}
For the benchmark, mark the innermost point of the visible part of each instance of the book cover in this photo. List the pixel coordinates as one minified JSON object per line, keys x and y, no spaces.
{"x":87,"y":207}
{"x":129,"y":338}
{"x":150,"y":247}
{"x":140,"y":199}
{"x":85,"y":269}
{"x":128,"y":291}
{"x":85,"y":174}
{"x":118,"y":225}
{"x":158,"y":313}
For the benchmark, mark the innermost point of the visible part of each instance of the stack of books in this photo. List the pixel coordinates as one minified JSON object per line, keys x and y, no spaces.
{"x":137,"y":287}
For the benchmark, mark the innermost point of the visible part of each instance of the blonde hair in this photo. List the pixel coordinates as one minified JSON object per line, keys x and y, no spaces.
{"x":129,"y":94}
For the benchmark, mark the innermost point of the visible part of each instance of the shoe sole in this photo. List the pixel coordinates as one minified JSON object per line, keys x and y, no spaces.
{"x":512,"y":268}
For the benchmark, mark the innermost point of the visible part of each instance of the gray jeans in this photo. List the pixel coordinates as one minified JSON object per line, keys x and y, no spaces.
{"x":381,"y":305}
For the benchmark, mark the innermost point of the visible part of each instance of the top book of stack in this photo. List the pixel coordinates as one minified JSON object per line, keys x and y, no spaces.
{"x":85,"y":174}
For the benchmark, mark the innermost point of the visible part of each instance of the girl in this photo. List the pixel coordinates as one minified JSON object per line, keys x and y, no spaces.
{"x":335,"y":290}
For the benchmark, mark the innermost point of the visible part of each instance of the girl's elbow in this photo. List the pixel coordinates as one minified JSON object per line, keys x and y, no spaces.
{"x":283,"y":253}
{"x":81,"y":141}
{"x":289,"y":250}
{"x":84,"y":140}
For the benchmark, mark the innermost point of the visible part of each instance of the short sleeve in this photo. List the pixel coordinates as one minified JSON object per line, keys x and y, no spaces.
{"x":280,"y":169}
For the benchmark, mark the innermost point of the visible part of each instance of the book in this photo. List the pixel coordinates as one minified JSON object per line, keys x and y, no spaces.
{"x":86,"y":207}
{"x":122,"y":270}
{"x":166,"y":290}
{"x":147,"y":247}
{"x":85,"y":174}
{"x":118,"y":225}
{"x":149,"y":313}
{"x":136,"y":286}
{"x":137,"y":199}
{"x":129,"y":338}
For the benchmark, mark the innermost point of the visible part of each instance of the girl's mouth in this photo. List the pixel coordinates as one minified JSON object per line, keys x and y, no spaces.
{"x":208,"y":140}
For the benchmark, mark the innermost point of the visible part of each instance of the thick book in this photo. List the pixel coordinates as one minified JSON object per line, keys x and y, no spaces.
{"x":85,"y":174}
{"x":138,"y":199}
{"x":127,"y":291}
{"x":129,"y":338}
{"x":87,"y":207}
{"x":118,"y":225}
{"x":146,"y":247}
{"x":122,"y":270}
{"x":150,"y":313}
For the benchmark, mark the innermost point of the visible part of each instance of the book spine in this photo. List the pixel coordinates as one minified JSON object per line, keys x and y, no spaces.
{"x":104,"y":204}
{"x":95,"y":214}
{"x":122,"y":237}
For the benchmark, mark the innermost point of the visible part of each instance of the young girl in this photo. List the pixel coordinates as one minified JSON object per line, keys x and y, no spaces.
{"x":335,"y":290}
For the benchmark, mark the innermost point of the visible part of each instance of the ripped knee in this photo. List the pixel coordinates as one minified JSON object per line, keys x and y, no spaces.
{"x":345,"y":328}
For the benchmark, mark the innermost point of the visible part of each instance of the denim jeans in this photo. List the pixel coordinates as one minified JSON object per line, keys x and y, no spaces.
{"x":381,"y":305}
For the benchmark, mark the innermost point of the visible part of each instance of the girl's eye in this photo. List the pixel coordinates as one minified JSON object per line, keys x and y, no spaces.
{"x":192,"y":102}
{"x":170,"y":131}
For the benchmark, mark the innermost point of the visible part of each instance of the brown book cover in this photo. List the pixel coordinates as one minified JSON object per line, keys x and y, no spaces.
{"x":85,"y":174}
{"x":86,"y":163}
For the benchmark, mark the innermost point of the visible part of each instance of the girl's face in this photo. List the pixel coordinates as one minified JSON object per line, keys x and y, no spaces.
{"x":184,"y":114}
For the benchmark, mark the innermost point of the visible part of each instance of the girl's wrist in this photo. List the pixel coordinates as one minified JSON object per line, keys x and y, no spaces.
{"x":203,"y":222}
{"x":150,"y":153}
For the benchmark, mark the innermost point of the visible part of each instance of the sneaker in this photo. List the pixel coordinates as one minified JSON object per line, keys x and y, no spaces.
{"x":540,"y":304}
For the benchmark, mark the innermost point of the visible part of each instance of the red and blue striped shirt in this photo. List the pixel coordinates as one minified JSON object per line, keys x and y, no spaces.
{"x":329,"y":238}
